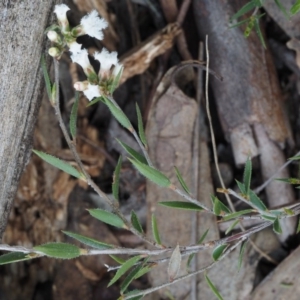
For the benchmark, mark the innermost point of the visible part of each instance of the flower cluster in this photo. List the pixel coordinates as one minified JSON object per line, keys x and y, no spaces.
{"x":63,"y":36}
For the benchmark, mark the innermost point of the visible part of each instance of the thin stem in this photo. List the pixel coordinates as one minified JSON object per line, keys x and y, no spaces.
{"x":113,"y":204}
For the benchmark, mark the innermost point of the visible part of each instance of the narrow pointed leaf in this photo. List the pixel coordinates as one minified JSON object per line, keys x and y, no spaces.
{"x":218,"y":251}
{"x":118,"y":114}
{"x":213,"y":288}
{"x":53,"y":93}
{"x":151,"y":173}
{"x":297,"y":157}
{"x":13,"y":257}
{"x":241,"y":254}
{"x":155,"y":230}
{"x":133,"y":153}
{"x":136,"y":222}
{"x":219,"y":208}
{"x":268,"y":218}
{"x":144,"y":271}
{"x":174,"y":264}
{"x":254,"y":199}
{"x":232,"y":226}
{"x":239,"y":23}
{"x":125,"y":267}
{"x":246,"y":8}
{"x":46,"y":77}
{"x":107,"y":217}
{"x":181,"y":205}
{"x":288,"y":211}
{"x":116,"y":81}
{"x":188,"y":264}
{"x":237,"y":214}
{"x":116,"y":179}
{"x":118,"y":259}
{"x":181,"y":180}
{"x":73,"y":117}
{"x":289,"y":180}
{"x":60,"y":164}
{"x":277,"y":227}
{"x":241,"y":187}
{"x":88,"y":241}
{"x":259,"y":33}
{"x":282,"y":8}
{"x":96,"y":100}
{"x":295,"y":8}
{"x":131,"y":276}
{"x":59,"y":250}
{"x":247,"y":175}
{"x":141,"y":126}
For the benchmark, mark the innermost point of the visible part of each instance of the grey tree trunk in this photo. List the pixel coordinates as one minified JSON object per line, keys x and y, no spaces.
{"x":22,"y":25}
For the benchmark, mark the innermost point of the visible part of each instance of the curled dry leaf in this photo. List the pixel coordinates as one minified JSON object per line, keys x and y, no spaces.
{"x":174,"y":264}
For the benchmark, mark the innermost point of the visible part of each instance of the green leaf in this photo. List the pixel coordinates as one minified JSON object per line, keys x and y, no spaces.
{"x":46,"y":77}
{"x":268,"y":218}
{"x":118,"y":259}
{"x":152,"y":174}
{"x":259,"y":33}
{"x":219,"y":208}
{"x":116,"y":81}
{"x":288,"y":211}
{"x":88,"y":241}
{"x":295,"y":8}
{"x":53,"y":93}
{"x":254,"y":199}
{"x":59,"y":250}
{"x":237,"y":214}
{"x":213,"y":288}
{"x":277,"y":227}
{"x":241,"y":187}
{"x":246,"y":8}
{"x":140,"y":125}
{"x":174,"y":264}
{"x":239,"y":23}
{"x":13,"y":257}
{"x":242,"y":250}
{"x":107,"y":217}
{"x":60,"y":164}
{"x":136,"y":222}
{"x":118,"y":114}
{"x":124,"y":268}
{"x":249,"y":27}
{"x":218,"y":251}
{"x":132,"y":275}
{"x":116,"y":179}
{"x":298,"y":227}
{"x":282,"y":8}
{"x":199,"y":242}
{"x":73,"y":117}
{"x":144,"y":271}
{"x":155,"y":230}
{"x":181,"y":180}
{"x":289,"y":180}
{"x":232,"y":226}
{"x":181,"y":205}
{"x":96,"y":100}
{"x":247,"y":175}
{"x":133,"y":153}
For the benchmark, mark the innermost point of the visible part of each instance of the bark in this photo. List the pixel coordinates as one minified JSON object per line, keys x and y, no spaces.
{"x":22,"y":41}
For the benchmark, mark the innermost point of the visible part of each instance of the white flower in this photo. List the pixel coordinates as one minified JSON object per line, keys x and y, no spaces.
{"x":106,"y":59}
{"x":117,"y":69}
{"x":92,"y":91}
{"x":81,"y":85}
{"x":81,"y":58}
{"x":52,"y":36}
{"x":61,"y":11}
{"x":92,"y":25}
{"x":75,"y":48}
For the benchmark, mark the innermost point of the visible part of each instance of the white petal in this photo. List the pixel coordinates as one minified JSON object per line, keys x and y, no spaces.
{"x":106,"y":59}
{"x":61,"y":11}
{"x":92,"y":91}
{"x":75,"y":48}
{"x":92,"y":25}
{"x":81,"y":58}
{"x":117,"y":69}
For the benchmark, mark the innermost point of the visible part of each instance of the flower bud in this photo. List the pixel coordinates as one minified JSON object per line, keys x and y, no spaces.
{"x":53,"y":36}
{"x":54,"y":52}
{"x":81,"y":85}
